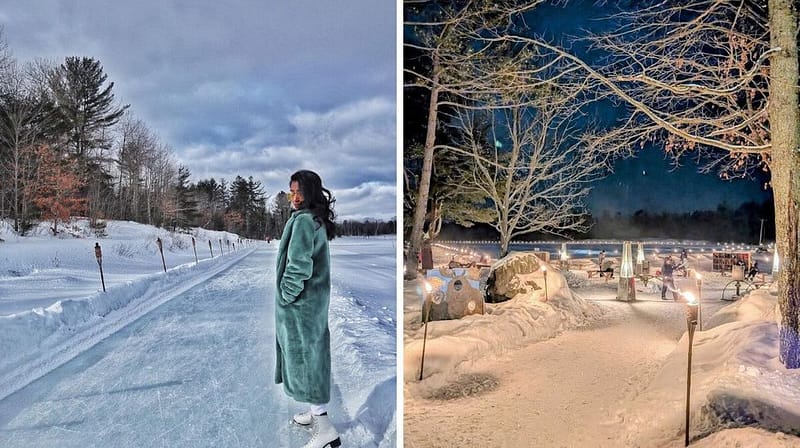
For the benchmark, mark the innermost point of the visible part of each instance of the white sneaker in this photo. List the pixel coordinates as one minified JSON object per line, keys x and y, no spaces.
{"x":324,"y":435}
{"x":303,"y":418}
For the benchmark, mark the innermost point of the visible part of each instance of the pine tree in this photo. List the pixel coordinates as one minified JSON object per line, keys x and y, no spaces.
{"x":85,"y":108}
{"x":185,"y":211}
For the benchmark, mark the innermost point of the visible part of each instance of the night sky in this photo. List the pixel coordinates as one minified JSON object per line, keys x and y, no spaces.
{"x":648,"y":182}
{"x":653,"y":184}
{"x":243,"y":87}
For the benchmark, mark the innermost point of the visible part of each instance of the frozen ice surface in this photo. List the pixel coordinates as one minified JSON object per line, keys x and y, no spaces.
{"x":197,"y":371}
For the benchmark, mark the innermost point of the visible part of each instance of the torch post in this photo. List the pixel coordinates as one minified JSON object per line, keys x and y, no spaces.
{"x":698,"y":281}
{"x":194,"y":246}
{"x":161,"y":249}
{"x":426,"y":316}
{"x":211,"y":248}
{"x":98,"y":253}
{"x":692,"y":307}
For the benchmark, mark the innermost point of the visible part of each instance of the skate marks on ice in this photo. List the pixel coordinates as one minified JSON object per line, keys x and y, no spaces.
{"x":363,"y":328}
{"x":194,"y":372}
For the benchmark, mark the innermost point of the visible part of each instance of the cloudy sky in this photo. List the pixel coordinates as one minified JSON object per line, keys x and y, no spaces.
{"x":256,"y":88}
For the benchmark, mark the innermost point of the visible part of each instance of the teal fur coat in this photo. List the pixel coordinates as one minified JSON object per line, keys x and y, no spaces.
{"x":301,"y":310}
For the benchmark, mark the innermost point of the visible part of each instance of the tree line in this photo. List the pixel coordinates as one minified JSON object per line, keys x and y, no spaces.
{"x":742,"y":224}
{"x":69,"y":148}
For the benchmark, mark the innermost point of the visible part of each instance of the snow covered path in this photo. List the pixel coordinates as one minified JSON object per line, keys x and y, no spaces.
{"x":560,"y":392}
{"x":198,"y":371}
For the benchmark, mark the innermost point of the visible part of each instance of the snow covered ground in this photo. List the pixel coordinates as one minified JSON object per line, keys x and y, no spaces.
{"x":183,"y":358}
{"x":614,"y":377}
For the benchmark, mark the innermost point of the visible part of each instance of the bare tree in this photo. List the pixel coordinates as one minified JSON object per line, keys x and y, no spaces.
{"x":720,"y":78}
{"x":160,"y":172}
{"x":462,"y":65}
{"x":533,"y":166}
{"x":6,"y":59}
{"x":715,"y":78}
{"x":24,"y":111}
{"x":138,"y":145}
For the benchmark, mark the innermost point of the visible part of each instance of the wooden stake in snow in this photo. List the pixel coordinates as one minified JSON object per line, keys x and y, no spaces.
{"x":194,"y":246}
{"x":98,"y":253}
{"x":161,"y":249}
{"x":222,"y":252}
{"x":211,"y":248}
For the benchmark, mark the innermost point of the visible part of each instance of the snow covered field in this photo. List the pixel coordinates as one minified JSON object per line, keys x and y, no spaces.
{"x":611,"y":377}
{"x":184,"y":358}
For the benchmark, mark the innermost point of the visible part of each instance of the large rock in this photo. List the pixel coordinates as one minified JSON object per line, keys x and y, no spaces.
{"x":514,"y":275}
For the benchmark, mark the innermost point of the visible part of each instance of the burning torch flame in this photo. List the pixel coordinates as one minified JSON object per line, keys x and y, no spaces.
{"x":691,"y":300}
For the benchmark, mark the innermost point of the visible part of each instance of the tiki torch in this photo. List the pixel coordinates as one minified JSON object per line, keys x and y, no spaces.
{"x":691,"y":321}
{"x":194,"y":246}
{"x":161,"y":249}
{"x":698,"y":281}
{"x":426,"y":315}
{"x":211,"y":248}
{"x":98,"y":253}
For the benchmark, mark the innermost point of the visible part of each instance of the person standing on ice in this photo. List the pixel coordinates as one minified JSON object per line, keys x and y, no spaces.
{"x":601,"y":258}
{"x":301,"y":305}
{"x":667,"y":282}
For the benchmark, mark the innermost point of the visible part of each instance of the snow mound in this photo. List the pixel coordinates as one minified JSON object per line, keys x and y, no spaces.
{"x":749,"y":437}
{"x":756,"y":307}
{"x":737,"y":381}
{"x":452,"y":346}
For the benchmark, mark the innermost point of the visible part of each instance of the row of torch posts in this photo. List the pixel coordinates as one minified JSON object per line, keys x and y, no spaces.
{"x":98,"y":254}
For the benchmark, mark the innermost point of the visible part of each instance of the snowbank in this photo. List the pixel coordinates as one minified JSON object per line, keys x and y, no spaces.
{"x":453,"y":345}
{"x":737,"y":381}
{"x":61,"y":273}
{"x":747,"y":437}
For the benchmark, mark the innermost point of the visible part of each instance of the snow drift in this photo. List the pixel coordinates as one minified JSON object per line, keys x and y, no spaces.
{"x":737,"y":381}
{"x":453,"y":345}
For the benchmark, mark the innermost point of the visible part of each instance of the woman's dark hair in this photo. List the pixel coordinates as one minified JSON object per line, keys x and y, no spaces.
{"x":317,"y":199}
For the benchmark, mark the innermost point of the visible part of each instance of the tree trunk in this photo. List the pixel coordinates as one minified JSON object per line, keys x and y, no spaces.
{"x":421,"y":207}
{"x":505,"y":239}
{"x":784,"y":121}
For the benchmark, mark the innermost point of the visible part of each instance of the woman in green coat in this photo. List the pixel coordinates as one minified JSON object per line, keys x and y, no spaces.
{"x":301,"y":305}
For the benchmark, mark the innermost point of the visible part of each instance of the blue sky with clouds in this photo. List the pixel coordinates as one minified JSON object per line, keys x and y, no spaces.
{"x":243,"y":87}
